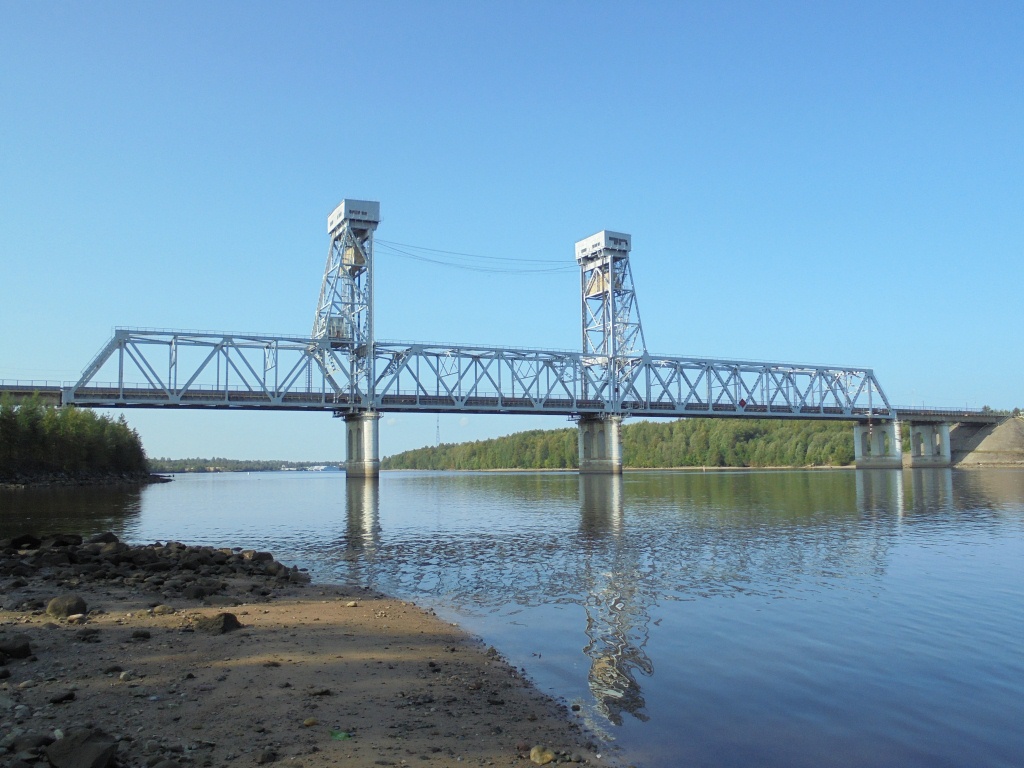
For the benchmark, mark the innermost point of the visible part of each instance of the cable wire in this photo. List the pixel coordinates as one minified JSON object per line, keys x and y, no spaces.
{"x":402,"y":250}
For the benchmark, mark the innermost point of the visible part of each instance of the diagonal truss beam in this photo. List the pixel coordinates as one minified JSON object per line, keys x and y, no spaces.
{"x":187,"y":369}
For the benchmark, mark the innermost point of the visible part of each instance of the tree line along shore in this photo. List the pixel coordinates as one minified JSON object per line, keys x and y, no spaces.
{"x":40,"y":443}
{"x":653,"y":445}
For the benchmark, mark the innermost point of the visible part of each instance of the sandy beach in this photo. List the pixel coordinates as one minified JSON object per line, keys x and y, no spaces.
{"x":313,"y":675}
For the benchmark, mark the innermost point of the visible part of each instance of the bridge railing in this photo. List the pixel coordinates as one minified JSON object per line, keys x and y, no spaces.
{"x":950,"y":414}
{"x":30,"y":384}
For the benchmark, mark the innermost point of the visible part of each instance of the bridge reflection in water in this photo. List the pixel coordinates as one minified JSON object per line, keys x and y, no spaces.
{"x":638,"y":540}
{"x":358,"y":547}
{"x":618,"y":619}
{"x":924,"y":492}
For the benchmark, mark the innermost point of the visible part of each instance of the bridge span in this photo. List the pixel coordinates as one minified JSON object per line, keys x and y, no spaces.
{"x":343,"y":369}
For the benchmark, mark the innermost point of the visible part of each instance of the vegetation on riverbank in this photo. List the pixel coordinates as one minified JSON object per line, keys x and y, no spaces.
{"x":43,"y":443}
{"x":219,"y":464}
{"x":679,"y":443}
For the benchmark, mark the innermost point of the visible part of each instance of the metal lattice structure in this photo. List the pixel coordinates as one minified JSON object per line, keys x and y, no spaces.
{"x":341,"y":368}
{"x":193,"y":369}
{"x":208,"y":370}
{"x":613,"y":337}
{"x":344,"y":311}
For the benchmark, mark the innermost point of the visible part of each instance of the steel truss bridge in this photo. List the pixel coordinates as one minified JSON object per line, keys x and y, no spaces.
{"x":185,"y":369}
{"x":341,"y":367}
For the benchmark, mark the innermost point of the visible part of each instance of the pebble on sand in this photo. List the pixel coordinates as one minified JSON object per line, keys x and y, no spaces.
{"x":541,"y":755}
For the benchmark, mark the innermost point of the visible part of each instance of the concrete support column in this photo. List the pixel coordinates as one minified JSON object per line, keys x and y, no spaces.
{"x":363,"y":456}
{"x":600,"y":445}
{"x":877,"y":446}
{"x":929,"y":445}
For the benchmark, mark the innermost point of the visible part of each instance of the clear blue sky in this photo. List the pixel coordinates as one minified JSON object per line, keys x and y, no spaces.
{"x":809,"y":182}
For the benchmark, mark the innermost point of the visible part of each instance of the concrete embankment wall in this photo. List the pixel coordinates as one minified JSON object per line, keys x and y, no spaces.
{"x":988,"y":445}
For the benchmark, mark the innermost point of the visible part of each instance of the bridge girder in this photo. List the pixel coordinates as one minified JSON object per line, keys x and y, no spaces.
{"x":209,"y":370}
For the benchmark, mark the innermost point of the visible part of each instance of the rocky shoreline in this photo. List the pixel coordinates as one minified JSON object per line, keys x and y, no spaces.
{"x":169,"y":656}
{"x":18,"y":482}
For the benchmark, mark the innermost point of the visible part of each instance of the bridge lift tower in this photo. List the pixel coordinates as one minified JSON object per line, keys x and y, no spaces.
{"x":613,"y":344}
{"x":344,"y":317}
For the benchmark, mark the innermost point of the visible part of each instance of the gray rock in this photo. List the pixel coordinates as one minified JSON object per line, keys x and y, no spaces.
{"x":62,"y":697}
{"x":219,"y":624}
{"x":266,"y":756}
{"x":220,"y":601}
{"x":32,"y":740}
{"x":112,"y":551}
{"x":82,"y":748}
{"x":195,"y":592}
{"x":103,"y":538}
{"x":257,"y":557}
{"x":63,"y":606}
{"x":50,"y":559}
{"x":62,"y":540}
{"x":15,"y":646}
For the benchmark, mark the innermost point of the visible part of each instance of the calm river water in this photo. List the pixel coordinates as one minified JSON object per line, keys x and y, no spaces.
{"x":840,"y":618}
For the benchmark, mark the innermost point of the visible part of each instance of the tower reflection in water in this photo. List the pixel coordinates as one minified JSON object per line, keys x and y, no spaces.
{"x":362,"y":524}
{"x":617,"y":609}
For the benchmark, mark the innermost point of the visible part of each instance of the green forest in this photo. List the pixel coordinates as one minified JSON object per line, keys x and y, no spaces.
{"x":647,"y":444}
{"x":38,"y":440}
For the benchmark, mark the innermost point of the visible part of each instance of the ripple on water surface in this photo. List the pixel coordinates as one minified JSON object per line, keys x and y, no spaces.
{"x":718,"y":619}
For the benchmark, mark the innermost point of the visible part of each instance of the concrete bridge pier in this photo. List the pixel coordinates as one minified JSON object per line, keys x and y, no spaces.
{"x":929,"y":445}
{"x":600,"y":445}
{"x":877,"y":446}
{"x":363,"y":456}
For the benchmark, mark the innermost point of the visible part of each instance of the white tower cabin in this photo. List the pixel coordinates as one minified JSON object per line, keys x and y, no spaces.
{"x":613,"y":338}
